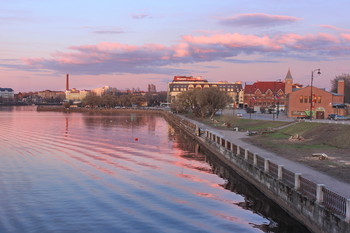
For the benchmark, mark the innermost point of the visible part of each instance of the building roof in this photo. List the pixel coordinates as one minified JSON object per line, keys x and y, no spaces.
{"x":289,"y":75}
{"x":321,"y":89}
{"x":263,"y":87}
{"x":188,"y":79}
{"x":6,"y":89}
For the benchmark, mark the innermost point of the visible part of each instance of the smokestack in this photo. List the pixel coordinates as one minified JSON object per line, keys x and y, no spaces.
{"x":67,"y":82}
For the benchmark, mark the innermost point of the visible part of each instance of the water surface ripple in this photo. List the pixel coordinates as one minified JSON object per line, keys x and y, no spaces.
{"x":119,"y":173}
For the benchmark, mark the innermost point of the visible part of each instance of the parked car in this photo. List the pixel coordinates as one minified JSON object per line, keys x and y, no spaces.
{"x":331,"y":116}
{"x":239,"y":115}
{"x":341,"y":118}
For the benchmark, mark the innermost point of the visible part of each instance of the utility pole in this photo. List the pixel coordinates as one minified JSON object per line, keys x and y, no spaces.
{"x":311,"y":97}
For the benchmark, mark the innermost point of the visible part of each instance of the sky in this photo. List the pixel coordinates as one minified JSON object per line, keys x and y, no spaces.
{"x":130,"y":44}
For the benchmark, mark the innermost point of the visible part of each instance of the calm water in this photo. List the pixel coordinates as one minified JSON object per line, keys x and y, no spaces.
{"x":119,"y":173}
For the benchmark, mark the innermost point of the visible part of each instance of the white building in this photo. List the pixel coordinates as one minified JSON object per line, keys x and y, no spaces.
{"x":6,"y":95}
{"x":103,"y":90}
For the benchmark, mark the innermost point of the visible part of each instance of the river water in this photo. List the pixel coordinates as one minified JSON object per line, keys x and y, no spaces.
{"x":119,"y":173}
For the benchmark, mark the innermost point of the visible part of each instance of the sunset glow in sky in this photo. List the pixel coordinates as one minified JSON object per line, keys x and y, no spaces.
{"x":130,"y":44}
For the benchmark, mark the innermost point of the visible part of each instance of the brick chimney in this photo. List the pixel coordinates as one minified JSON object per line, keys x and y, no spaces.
{"x":341,"y":86}
{"x":67,"y":82}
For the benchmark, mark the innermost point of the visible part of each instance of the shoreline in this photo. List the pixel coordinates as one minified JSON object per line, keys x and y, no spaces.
{"x":42,"y":108}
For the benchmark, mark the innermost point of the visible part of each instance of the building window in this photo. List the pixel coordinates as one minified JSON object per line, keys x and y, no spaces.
{"x":305,"y":99}
{"x":301,"y":98}
{"x":319,"y":99}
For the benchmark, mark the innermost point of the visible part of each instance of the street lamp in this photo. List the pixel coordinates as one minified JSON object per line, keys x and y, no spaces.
{"x":311,"y":99}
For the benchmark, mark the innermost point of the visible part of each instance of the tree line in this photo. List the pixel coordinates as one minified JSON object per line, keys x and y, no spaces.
{"x":126,"y":100}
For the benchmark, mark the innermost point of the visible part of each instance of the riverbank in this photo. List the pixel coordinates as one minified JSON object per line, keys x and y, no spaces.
{"x":43,"y":108}
{"x":275,"y":138}
{"x":318,"y":205}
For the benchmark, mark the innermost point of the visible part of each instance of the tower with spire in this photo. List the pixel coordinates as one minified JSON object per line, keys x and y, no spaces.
{"x":288,"y":80}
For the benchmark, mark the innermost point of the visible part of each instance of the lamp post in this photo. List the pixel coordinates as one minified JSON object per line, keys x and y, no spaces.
{"x":311,"y":98}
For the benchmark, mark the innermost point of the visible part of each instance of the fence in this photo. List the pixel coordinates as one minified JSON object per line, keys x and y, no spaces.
{"x":334,"y":202}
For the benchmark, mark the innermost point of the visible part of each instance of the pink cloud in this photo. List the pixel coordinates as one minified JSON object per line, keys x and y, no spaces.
{"x":258,"y":20}
{"x":335,"y":28}
{"x":233,"y":40}
{"x":107,"y":58}
{"x":346,"y":36}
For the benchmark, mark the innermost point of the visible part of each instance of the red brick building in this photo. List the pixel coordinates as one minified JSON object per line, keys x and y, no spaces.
{"x":322,"y":102}
{"x":269,"y":94}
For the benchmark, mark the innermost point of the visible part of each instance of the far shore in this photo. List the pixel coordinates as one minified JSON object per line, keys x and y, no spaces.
{"x":96,"y":110}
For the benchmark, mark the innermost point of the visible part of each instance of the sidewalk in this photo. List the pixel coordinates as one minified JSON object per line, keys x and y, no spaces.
{"x":235,"y":137}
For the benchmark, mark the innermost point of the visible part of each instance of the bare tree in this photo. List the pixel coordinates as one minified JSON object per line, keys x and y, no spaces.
{"x":212,"y":100}
{"x":202,"y":102}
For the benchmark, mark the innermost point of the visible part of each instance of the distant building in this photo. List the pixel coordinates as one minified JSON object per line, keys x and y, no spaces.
{"x":184,"y":83}
{"x":104,"y":90}
{"x":269,"y":94}
{"x":152,"y":88}
{"x":321,"y":103}
{"x":76,"y":95}
{"x":6,"y":95}
{"x":51,"y":96}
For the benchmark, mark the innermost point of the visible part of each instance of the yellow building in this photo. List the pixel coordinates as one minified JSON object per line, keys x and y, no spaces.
{"x":184,"y":83}
{"x":74,"y":94}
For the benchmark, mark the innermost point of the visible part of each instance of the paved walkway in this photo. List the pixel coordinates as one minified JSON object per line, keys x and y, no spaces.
{"x":235,"y":137}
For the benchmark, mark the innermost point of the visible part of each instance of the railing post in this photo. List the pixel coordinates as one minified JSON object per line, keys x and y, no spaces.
{"x":246,"y":154}
{"x":347,"y":215}
{"x":279,"y":172}
{"x":297,"y":181}
{"x":255,"y":160}
{"x":226,"y":144}
{"x":238,"y":150}
{"x":266,"y":165}
{"x":231,"y":147}
{"x":319,"y":193}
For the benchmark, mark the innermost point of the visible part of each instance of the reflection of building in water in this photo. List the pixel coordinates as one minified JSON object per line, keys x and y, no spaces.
{"x":151,"y":123}
{"x":121,"y":120}
{"x":67,"y":127}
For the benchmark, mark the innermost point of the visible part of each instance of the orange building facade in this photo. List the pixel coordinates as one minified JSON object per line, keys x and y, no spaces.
{"x":269,"y":94}
{"x":322,"y":103}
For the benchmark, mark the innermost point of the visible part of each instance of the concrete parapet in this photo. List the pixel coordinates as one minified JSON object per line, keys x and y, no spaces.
{"x":310,"y":211}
